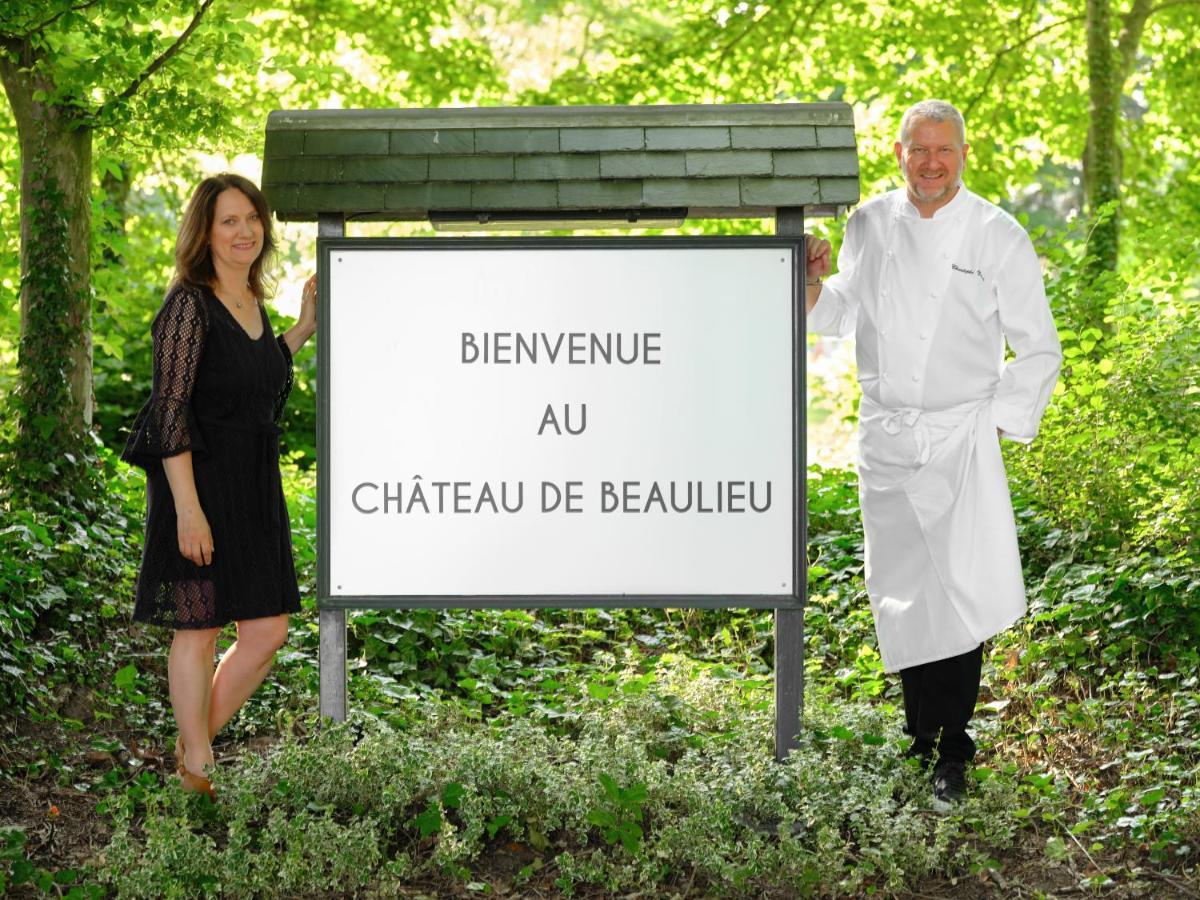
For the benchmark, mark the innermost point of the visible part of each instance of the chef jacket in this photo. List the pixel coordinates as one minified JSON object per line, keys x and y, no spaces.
{"x":931,"y":303}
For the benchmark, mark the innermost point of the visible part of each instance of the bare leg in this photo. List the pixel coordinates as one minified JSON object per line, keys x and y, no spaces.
{"x":244,"y":666}
{"x":189,"y":676}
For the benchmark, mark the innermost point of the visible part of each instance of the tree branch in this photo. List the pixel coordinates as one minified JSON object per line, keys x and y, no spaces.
{"x":795,"y":23}
{"x":733,"y":42}
{"x":157,"y":64}
{"x":58,"y":15}
{"x":1131,"y":36}
{"x":1132,"y":27}
{"x":1000,"y":54}
{"x":1170,"y":3}
{"x":994,"y":68}
{"x":791,"y":33}
{"x":587,"y":35}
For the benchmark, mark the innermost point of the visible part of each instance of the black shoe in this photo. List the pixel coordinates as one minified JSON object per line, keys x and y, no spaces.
{"x":949,"y":784}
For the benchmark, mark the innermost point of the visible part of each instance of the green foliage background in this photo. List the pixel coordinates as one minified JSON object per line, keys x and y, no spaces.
{"x":1091,"y":711}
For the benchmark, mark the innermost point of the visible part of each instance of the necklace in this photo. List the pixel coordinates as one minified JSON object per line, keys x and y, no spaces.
{"x":236,"y":301}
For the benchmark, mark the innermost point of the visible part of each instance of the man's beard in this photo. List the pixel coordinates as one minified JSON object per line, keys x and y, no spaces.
{"x":929,"y":196}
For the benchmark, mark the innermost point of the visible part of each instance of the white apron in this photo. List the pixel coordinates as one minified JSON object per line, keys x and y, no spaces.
{"x":942,"y":568}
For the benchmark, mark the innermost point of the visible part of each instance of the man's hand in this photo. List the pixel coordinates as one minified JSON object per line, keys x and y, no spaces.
{"x":820,"y":257}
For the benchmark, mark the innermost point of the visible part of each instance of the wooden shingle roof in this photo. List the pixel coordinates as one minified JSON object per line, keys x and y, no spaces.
{"x":738,"y":160}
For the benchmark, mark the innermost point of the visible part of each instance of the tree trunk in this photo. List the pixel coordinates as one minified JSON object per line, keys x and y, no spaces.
{"x":1102,"y":155}
{"x":56,"y":214}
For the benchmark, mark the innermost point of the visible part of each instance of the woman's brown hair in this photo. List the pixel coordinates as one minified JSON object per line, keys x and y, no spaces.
{"x":193,"y":257}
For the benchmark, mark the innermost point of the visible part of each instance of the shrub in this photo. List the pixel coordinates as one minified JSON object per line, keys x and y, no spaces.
{"x":1108,"y":505}
{"x":683,"y":763}
{"x":66,"y":565}
{"x":1115,"y":459}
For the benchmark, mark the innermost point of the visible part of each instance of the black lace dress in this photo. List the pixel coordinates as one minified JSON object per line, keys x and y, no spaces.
{"x":218,"y":393}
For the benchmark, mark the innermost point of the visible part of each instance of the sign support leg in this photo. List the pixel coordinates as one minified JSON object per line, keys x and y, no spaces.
{"x":789,"y":679}
{"x":331,"y":622}
{"x":789,"y":623}
{"x":333,"y":664}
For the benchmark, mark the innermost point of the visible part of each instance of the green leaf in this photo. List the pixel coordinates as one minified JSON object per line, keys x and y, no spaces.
{"x":610,"y":787}
{"x":1056,"y":849}
{"x":630,"y":834}
{"x":125,"y":677}
{"x":494,"y":824}
{"x":633,"y":797}
{"x":452,"y":795}
{"x":22,"y":871}
{"x":429,"y":821}
{"x":1152,"y":796}
{"x":598,"y":691}
{"x":603,"y":817}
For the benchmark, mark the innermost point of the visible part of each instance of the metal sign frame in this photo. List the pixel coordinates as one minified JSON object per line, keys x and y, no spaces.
{"x":793,"y":600}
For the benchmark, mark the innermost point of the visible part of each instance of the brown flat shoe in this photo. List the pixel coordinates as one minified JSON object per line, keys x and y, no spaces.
{"x":197,"y":784}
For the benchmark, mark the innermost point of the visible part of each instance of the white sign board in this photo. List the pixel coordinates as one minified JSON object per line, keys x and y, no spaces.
{"x":508,"y":419}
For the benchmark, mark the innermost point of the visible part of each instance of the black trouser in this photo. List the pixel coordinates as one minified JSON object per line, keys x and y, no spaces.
{"x":939,"y":698}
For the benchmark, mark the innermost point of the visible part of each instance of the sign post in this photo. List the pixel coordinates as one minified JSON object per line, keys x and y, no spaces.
{"x":640,"y":481}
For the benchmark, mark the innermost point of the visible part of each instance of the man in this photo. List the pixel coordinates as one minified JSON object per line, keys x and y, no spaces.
{"x":932,"y":280}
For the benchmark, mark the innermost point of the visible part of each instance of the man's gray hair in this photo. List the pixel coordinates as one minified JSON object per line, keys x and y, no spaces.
{"x":932,"y":111}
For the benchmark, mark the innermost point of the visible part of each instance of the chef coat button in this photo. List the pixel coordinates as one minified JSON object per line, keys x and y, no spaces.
{"x":890,"y":254}
{"x":882,"y":333}
{"x":916,"y":378}
{"x":933,"y":294}
{"x":924,"y":336}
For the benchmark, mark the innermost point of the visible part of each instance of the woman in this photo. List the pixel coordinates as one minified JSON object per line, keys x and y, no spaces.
{"x":218,"y":545}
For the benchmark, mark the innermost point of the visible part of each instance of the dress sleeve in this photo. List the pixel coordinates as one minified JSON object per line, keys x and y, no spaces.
{"x":166,"y":425}
{"x":1029,"y":379}
{"x":281,"y":398}
{"x":836,"y":310}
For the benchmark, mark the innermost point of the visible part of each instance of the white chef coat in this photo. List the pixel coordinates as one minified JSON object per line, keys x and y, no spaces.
{"x":931,"y":302}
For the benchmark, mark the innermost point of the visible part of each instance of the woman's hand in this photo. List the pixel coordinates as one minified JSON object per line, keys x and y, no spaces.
{"x":195,"y":537}
{"x":308,"y":305}
{"x":306,"y":322}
